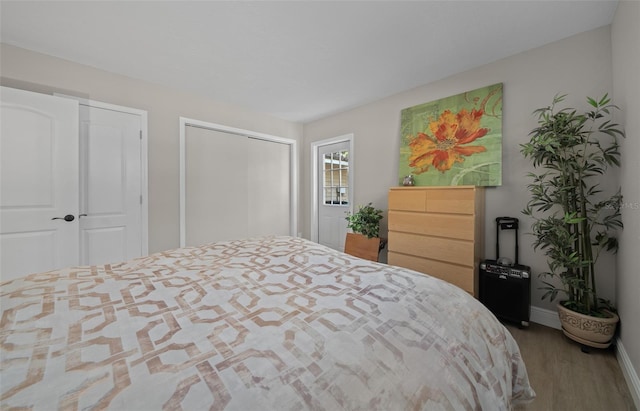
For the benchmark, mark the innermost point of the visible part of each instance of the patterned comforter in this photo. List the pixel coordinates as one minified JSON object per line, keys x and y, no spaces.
{"x":274,"y":323}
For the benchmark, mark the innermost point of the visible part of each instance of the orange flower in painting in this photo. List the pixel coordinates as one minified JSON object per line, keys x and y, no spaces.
{"x":447,"y":145}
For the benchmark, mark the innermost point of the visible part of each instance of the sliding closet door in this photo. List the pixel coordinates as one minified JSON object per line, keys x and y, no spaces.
{"x":236,"y":186}
{"x":216,"y":195}
{"x":269,"y":186}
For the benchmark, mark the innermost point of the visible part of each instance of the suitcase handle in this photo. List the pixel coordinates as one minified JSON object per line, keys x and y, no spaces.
{"x":506,"y":223}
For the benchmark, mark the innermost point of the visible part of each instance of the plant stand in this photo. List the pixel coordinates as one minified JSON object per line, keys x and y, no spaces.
{"x":359,"y":245}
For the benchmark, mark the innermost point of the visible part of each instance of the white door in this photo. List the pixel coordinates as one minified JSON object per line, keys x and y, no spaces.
{"x":39,"y":183}
{"x":334,"y":193}
{"x":110,"y":185}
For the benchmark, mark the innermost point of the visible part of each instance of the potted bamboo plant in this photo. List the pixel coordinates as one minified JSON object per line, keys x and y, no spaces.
{"x":364,"y":241}
{"x":573,"y":220}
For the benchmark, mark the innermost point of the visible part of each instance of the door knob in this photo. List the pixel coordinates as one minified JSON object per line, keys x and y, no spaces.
{"x":67,"y":218}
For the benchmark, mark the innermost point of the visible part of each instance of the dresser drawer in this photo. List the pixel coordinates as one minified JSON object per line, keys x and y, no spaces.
{"x":456,"y":226}
{"x":408,"y":200}
{"x":461,"y":276}
{"x":459,"y":201}
{"x":441,"y":249}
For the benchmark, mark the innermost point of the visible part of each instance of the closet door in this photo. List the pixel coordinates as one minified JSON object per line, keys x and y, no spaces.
{"x":269,"y":187}
{"x":61,"y":205}
{"x":216,"y":186}
{"x":110,"y":185}
{"x":235,"y":186}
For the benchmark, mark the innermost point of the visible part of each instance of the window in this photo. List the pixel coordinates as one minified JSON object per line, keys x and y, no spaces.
{"x":336,"y":178}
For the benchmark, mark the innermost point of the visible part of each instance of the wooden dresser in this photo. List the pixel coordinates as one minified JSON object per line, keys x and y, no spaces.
{"x":438,"y":231}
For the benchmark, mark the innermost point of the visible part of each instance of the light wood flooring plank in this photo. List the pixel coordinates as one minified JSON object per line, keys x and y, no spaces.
{"x":565,"y":379}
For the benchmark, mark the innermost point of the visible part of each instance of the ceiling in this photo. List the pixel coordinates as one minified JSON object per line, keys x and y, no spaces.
{"x":296,"y":60}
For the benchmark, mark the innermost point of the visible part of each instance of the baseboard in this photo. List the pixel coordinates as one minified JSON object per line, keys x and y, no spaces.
{"x":630,"y":374}
{"x":545,"y":317}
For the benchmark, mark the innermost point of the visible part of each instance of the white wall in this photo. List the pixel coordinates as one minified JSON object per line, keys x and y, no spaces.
{"x":579,"y":65}
{"x":625,"y":35}
{"x":37,"y":72}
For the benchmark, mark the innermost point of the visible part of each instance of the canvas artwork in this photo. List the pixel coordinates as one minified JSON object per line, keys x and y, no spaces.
{"x":454,"y":141}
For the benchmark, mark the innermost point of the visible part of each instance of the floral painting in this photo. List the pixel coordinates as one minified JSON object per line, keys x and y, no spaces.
{"x":455,"y":140}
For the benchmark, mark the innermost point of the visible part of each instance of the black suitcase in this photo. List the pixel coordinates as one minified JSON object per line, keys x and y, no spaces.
{"x":505,"y":285}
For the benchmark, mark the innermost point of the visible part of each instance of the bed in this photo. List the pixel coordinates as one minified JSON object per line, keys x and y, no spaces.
{"x":272,"y":323}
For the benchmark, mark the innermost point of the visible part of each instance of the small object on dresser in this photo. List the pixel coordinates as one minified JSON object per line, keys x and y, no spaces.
{"x":408,"y":180}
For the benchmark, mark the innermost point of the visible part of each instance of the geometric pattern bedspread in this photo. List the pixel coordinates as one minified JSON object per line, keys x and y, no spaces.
{"x":274,"y":323}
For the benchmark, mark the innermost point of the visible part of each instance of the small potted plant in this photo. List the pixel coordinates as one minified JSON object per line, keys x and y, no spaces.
{"x":365,"y":240}
{"x":573,"y":221}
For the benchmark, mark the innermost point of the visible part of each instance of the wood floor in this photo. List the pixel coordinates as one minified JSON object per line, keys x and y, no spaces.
{"x":564,"y":378}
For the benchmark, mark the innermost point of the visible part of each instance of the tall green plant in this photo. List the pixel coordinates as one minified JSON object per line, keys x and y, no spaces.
{"x":572,"y":223}
{"x":365,"y":221}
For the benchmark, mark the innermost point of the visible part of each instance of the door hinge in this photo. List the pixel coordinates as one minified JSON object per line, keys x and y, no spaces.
{"x":140,"y":134}
{"x":140,"y":198}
